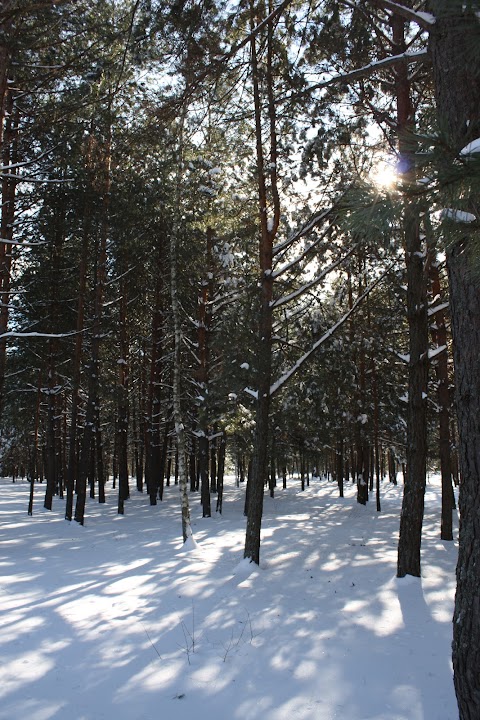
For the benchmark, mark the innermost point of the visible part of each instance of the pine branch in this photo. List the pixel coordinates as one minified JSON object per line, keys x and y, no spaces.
{"x":423,"y":19}
{"x":300,"y":362}
{"x":216,"y":64}
{"x":364,"y":71}
{"x":300,"y":291}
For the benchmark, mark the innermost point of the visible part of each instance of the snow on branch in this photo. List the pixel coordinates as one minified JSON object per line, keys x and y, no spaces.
{"x":365,"y":70}
{"x":295,"y":368}
{"x":424,"y":20}
{"x":119,"y":277}
{"x":14,"y":334}
{"x":255,"y":31}
{"x":437,"y":308}
{"x":459,"y":216}
{"x":298,"y":258}
{"x":305,"y":229}
{"x":20,"y":242}
{"x":436,"y":351}
{"x":225,"y":300}
{"x":25,"y":179}
{"x":315,"y":281}
{"x":27,"y":163}
{"x":472,"y":148}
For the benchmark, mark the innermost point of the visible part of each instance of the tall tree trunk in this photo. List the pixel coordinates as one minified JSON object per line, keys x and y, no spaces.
{"x":9,"y":157}
{"x":72,"y":470}
{"x":5,"y":61}
{"x":92,"y":411}
{"x":51,"y":468}
{"x":178,"y":416}
{"x":454,"y":46}
{"x":439,"y":337}
{"x":268,"y":230}
{"x":203,"y":333}
{"x":465,"y":309}
{"x":122,"y":385}
{"x":52,"y":442}
{"x":377,"y":451}
{"x":411,"y":521}
{"x":153,"y":408}
{"x":35,"y":449}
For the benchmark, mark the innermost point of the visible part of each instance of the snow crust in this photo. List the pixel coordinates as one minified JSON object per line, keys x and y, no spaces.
{"x":116,"y":620}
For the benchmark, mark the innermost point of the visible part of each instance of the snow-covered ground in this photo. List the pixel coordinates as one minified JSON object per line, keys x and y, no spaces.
{"x":117,"y":620}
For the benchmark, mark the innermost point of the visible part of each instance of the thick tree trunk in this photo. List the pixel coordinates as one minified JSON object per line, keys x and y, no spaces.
{"x":465,"y":308}
{"x":268,"y":230}
{"x":411,"y":521}
{"x":454,"y":45}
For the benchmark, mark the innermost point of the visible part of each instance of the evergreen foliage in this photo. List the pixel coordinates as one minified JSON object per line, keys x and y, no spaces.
{"x":184,"y":184}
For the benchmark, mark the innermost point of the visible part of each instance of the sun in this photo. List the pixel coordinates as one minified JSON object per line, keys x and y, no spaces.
{"x":384,"y":175}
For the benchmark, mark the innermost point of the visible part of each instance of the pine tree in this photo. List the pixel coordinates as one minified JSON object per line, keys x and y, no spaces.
{"x":454,"y":45}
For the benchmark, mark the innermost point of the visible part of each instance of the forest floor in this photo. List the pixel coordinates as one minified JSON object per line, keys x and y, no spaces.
{"x":117,"y":619}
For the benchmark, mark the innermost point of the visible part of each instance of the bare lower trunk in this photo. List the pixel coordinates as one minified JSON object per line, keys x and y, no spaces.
{"x":178,"y":419}
{"x":221,"y":472}
{"x":411,"y":521}
{"x":122,"y":426}
{"x":439,"y":337}
{"x":465,"y":306}
{"x":181,"y":464}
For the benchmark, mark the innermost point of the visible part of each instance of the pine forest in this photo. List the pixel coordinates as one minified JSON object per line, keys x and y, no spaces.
{"x":239,"y":251}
